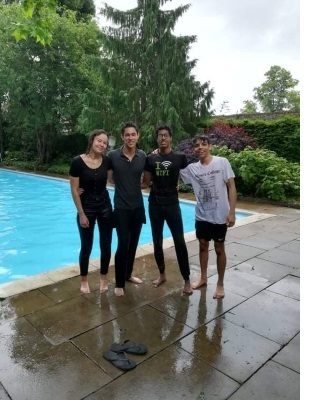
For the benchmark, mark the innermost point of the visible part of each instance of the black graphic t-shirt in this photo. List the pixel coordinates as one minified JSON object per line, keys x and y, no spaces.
{"x":165,"y":175}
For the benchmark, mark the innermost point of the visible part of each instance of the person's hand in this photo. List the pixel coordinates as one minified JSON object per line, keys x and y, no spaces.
{"x":155,"y":152}
{"x":231,"y":219}
{"x":80,"y":191}
{"x":84,"y":222}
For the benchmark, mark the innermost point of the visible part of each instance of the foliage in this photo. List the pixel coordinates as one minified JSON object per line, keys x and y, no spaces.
{"x":261,"y":173}
{"x":42,"y":86}
{"x":35,"y":17}
{"x":250,"y":107}
{"x":35,"y":21}
{"x":220,"y":134}
{"x":147,"y":74}
{"x":280,"y":135}
{"x":277,"y":93}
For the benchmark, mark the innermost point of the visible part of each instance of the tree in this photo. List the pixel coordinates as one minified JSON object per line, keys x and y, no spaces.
{"x":224,"y":107}
{"x":41,"y":87}
{"x":149,"y":73}
{"x":277,"y":92}
{"x":250,"y":107}
{"x":35,"y":21}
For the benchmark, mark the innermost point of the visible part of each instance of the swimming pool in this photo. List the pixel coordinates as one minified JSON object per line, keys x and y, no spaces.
{"x":38,"y":230}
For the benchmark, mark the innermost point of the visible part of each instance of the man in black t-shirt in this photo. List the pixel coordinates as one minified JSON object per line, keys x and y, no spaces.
{"x":162,"y":173}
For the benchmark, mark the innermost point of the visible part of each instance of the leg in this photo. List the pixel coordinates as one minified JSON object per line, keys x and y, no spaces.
{"x":157,"y":225}
{"x":105,"y":241}
{"x":203,"y":260}
{"x":86,"y":237}
{"x":133,"y":245}
{"x":136,"y":219}
{"x":121,"y":255}
{"x":175,"y":224}
{"x":221,"y":262}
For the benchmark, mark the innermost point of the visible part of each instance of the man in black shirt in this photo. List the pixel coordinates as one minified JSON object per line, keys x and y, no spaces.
{"x":162,"y":171}
{"x":126,"y":165}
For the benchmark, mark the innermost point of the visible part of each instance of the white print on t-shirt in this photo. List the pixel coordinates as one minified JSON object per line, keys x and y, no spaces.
{"x":208,"y":194}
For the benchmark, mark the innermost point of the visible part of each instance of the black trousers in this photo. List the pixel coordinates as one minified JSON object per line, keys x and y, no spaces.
{"x":97,"y":209}
{"x":171,"y":213}
{"x":128,"y":225}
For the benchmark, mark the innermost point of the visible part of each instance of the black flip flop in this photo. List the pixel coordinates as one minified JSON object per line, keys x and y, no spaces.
{"x":120,"y":360}
{"x":129,"y":347}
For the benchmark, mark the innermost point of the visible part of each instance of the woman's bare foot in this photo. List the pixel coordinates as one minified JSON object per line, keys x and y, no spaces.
{"x":161,"y":279}
{"x":199,"y":284}
{"x":187,"y":290}
{"x":219,"y":293}
{"x":134,"y":279}
{"x":85,"y":287}
{"x":103,"y":284}
{"x":119,"y":292}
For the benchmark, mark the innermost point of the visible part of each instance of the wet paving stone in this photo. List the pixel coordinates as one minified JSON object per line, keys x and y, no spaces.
{"x":231,"y":349}
{"x":62,"y":372}
{"x":289,"y":356}
{"x":66,"y":320}
{"x":146,"y":325}
{"x":268,"y":314}
{"x":271,"y":382}
{"x":182,"y":377}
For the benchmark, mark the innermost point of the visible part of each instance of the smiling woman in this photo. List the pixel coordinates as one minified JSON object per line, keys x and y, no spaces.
{"x":38,"y":230}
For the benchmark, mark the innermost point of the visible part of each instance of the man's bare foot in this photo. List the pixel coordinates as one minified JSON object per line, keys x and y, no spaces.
{"x":103,"y":285}
{"x":85,"y":287}
{"x":119,"y":292}
{"x":219,"y":293}
{"x":187,"y":290}
{"x":161,"y":279}
{"x":199,"y":284}
{"x":134,"y":279}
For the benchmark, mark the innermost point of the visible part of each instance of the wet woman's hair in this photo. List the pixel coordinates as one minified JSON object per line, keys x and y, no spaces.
{"x":92,"y":136}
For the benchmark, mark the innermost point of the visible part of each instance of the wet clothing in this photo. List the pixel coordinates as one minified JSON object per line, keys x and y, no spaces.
{"x":164,"y":206}
{"x":129,"y":210}
{"x":97,"y":207}
{"x":210,"y":231}
{"x":210,"y":186}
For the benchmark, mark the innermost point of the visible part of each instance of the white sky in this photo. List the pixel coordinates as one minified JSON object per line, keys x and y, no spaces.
{"x":237,"y":42}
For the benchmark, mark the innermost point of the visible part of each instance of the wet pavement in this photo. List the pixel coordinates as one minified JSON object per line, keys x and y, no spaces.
{"x":243,"y":347}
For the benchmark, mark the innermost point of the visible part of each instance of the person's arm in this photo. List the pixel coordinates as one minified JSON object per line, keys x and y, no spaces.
{"x":232,"y":196}
{"x":74,"y":183}
{"x":110,"y":177}
{"x":145,"y":180}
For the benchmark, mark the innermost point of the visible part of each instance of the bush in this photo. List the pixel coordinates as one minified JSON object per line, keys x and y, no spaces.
{"x":220,"y":134}
{"x":261,"y":173}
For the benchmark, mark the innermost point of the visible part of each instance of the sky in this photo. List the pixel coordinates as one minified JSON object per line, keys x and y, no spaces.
{"x":237,"y":42}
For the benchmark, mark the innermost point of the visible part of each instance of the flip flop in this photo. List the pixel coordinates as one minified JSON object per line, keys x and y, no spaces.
{"x":129,"y":347}
{"x":120,"y":360}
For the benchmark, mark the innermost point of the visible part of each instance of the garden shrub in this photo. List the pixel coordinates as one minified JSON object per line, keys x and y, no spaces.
{"x":220,"y":134}
{"x":261,"y":173}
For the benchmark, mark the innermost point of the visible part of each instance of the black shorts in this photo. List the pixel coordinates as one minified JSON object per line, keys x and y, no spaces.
{"x":209,"y":231}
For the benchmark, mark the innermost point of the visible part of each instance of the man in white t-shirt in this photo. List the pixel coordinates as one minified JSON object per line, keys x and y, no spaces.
{"x":212,"y":179}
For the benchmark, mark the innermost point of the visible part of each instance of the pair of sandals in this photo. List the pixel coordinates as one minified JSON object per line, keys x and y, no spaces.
{"x":117,"y":354}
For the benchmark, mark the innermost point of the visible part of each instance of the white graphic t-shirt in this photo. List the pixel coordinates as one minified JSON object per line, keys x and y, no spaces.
{"x":209,"y":184}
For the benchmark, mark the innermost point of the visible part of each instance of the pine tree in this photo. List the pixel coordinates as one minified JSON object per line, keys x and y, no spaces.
{"x":149,"y":73}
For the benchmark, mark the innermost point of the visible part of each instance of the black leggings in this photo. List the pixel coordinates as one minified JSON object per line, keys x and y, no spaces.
{"x":171,"y":213}
{"x":128,"y":227}
{"x":102,"y":213}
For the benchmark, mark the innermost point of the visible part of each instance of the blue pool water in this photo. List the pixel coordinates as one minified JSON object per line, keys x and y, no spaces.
{"x":38,"y":230}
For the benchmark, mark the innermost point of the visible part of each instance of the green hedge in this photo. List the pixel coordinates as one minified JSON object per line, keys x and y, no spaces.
{"x":280,"y":135}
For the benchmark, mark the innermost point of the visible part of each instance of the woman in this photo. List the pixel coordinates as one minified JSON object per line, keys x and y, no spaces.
{"x":89,"y":172}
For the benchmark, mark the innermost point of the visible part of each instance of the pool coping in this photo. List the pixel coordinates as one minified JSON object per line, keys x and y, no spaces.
{"x":50,"y":277}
